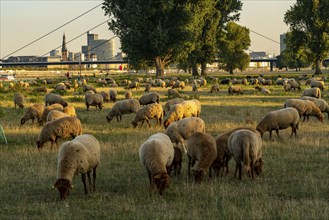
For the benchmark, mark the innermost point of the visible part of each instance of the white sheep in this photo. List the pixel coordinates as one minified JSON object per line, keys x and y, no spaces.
{"x":89,"y":88}
{"x":172,"y":93}
{"x":128,"y":94}
{"x":321,"y":103}
{"x":81,"y":155}
{"x":70,"y":110}
{"x":113,"y":95}
{"x":152,"y":97}
{"x":201,"y":153}
{"x":55,"y":114}
{"x":235,"y":89}
{"x":47,"y":109}
{"x":122,"y":107}
{"x":148,"y":112}
{"x":304,"y":108}
{"x":106,"y":96}
{"x":181,"y":130}
{"x":246,"y":147}
{"x":313,"y":92}
{"x":214,"y":88}
{"x":61,"y":128}
{"x":19,"y":100}
{"x":33,"y":112}
{"x":278,"y":120}
{"x":52,"y":98}
{"x":170,"y":103}
{"x":318,"y":84}
{"x":156,"y":155}
{"x":94,"y":100}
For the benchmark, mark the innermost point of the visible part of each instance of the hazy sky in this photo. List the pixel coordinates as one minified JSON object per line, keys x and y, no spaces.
{"x":24,"y":21}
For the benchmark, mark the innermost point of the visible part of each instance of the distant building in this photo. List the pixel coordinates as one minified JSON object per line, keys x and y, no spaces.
{"x":259,"y":55}
{"x":54,"y":53}
{"x":282,"y":43}
{"x":64,"y":49}
{"x":103,"y":49}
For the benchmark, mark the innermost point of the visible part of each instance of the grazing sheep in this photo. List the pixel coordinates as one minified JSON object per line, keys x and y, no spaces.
{"x":89,"y":88}
{"x":33,"y":112}
{"x":60,"y":128}
{"x":156,"y":155}
{"x":294,"y":84}
{"x":176,"y":164}
{"x":81,"y":155}
{"x":194,"y":87}
{"x":321,"y":103}
{"x":214,"y":88}
{"x":225,"y":81}
{"x":94,"y":100}
{"x":122,"y":107}
{"x":45,"y":112}
{"x":55,"y":114}
{"x":149,"y":98}
{"x":60,"y":87}
{"x":19,"y":100}
{"x":170,"y":103}
{"x":172,"y":93}
{"x":128,"y":94}
{"x":181,"y":110}
{"x":304,"y":108}
{"x":263,"y":90}
{"x":235,"y":89}
{"x":201,"y":153}
{"x":318,"y":84}
{"x":40,"y":89}
{"x":148,"y":87}
{"x":246,"y":147}
{"x":148,"y":112}
{"x":106,"y":96}
{"x":133,"y":85}
{"x":313,"y":92}
{"x":181,"y":130}
{"x":52,"y":98}
{"x":179,"y":85}
{"x":278,"y":120}
{"x":70,"y":110}
{"x":113,"y":95}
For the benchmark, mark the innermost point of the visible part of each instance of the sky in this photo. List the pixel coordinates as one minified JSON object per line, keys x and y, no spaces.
{"x":25,"y":21}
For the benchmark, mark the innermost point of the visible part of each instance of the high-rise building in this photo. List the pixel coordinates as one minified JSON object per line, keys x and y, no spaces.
{"x":100,"y":48}
{"x":282,"y":43}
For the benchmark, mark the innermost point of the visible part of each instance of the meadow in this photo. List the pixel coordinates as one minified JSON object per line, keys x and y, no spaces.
{"x":293,"y":185}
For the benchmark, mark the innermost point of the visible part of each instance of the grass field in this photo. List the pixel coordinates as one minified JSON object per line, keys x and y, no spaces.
{"x":294,"y":183}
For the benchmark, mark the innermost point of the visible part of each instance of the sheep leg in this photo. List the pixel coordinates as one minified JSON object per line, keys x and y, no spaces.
{"x":270,"y":134}
{"x":277,"y":132}
{"x":89,"y":181}
{"x":189,"y":166}
{"x":83,"y":177}
{"x":148,"y":123}
{"x":252,"y":170}
{"x":240,"y":170}
{"x":94,"y":179}
{"x":141,"y":124}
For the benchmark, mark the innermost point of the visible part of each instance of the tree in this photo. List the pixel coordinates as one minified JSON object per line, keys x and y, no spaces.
{"x":309,"y":26}
{"x":231,"y":46}
{"x":161,"y":31}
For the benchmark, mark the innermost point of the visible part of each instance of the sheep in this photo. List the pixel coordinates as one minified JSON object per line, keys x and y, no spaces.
{"x":223,"y":153}
{"x":278,"y":120}
{"x":263,"y":90}
{"x":246,"y":147}
{"x":321,"y":103}
{"x":201,"y":153}
{"x":70,"y":110}
{"x":133,"y":85}
{"x":122,"y":107}
{"x":60,"y":128}
{"x":148,"y":87}
{"x":313,"y":92}
{"x":194,"y":87}
{"x":55,"y":114}
{"x":294,"y":84}
{"x":40,"y":89}
{"x":33,"y":112}
{"x":181,"y":110}
{"x":52,"y":98}
{"x":113,"y":95}
{"x":225,"y":81}
{"x":304,"y":108}
{"x":235,"y":89}
{"x":176,"y":164}
{"x":47,"y":109}
{"x":156,"y":155}
{"x":214,"y":88}
{"x":94,"y":100}
{"x":148,"y":112}
{"x":60,"y":87}
{"x":89,"y":88}
{"x":172,"y":93}
{"x":106,"y":96}
{"x":181,"y":130}
{"x":198,"y":105}
{"x":128,"y":94}
{"x":81,"y":155}
{"x":170,"y":103}
{"x":149,"y":98}
{"x":179,"y":85}
{"x":318,"y":84}
{"x":19,"y":100}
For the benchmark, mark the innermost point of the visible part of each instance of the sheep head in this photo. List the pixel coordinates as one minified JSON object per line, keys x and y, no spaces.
{"x":258,"y":166}
{"x":161,"y":181}
{"x":109,"y":118}
{"x":39,"y":144}
{"x":23,"y":121}
{"x":64,"y":186}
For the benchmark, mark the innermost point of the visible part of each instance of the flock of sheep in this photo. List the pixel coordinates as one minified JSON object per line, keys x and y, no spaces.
{"x":185,"y":131}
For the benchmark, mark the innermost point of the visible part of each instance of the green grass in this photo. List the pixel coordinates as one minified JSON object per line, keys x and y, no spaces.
{"x":293,"y":185}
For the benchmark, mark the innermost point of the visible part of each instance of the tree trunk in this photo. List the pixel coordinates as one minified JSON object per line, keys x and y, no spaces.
{"x":318,"y":67}
{"x":159,"y":65}
{"x":195,"y":70}
{"x":203,"y":69}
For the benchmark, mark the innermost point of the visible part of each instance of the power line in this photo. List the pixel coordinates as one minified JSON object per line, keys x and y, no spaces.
{"x":264,"y":36}
{"x":53,"y":31}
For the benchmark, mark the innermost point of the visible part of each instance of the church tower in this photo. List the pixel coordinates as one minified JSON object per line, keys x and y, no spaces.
{"x":64,"y":49}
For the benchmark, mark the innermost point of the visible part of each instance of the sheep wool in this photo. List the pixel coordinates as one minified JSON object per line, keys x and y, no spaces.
{"x":156,"y":155}
{"x":81,"y":155}
{"x":320,"y":103}
{"x":149,"y":98}
{"x":181,"y":110}
{"x":304,"y":108}
{"x":55,"y":114}
{"x":313,"y":92}
{"x":52,"y":98}
{"x":246,"y":147}
{"x":94,"y":100}
{"x":113,"y":95}
{"x":170,"y":103}
{"x":33,"y":112}
{"x":148,"y":112}
{"x":46,"y":111}
{"x":70,"y":110}
{"x":19,"y":100}
{"x":122,"y":107}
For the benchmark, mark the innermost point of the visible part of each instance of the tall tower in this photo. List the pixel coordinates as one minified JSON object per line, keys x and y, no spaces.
{"x":64,"y":49}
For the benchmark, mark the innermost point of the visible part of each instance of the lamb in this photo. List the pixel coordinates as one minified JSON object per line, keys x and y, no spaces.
{"x":181,"y":110}
{"x":45,"y":112}
{"x":81,"y":155}
{"x":321,"y":103}
{"x":201,"y":153}
{"x":148,"y":112}
{"x":172,"y":93}
{"x":318,"y":84}
{"x":278,"y":120}
{"x":94,"y":100}
{"x":52,"y":98}
{"x":55,"y":114}
{"x":113,"y":95}
{"x":128,"y":94}
{"x":149,"y":98}
{"x":176,"y":164}
{"x":214,"y":88}
{"x":304,"y":108}
{"x":246,"y":147}
{"x":33,"y":112}
{"x":313,"y":92}
{"x":235,"y":89}
{"x":122,"y":107}
{"x":106,"y":96}
{"x":181,"y":130}
{"x":170,"y":103}
{"x":70,"y":110}
{"x":60,"y":128}
{"x":156,"y":155}
{"x":19,"y":100}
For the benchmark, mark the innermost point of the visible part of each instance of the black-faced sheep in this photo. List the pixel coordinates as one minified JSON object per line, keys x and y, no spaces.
{"x":201,"y":153}
{"x":81,"y":155}
{"x":19,"y":100}
{"x":148,"y":112}
{"x":122,"y":107}
{"x":94,"y":100}
{"x":152,"y":97}
{"x":246,"y":147}
{"x":278,"y":120}
{"x":52,"y":98}
{"x":60,"y":128}
{"x":33,"y":112}
{"x":156,"y":155}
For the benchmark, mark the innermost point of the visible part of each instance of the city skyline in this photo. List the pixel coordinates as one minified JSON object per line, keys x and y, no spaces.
{"x":22,"y":22}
